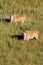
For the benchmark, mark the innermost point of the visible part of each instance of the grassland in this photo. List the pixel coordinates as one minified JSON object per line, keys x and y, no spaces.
{"x":20,"y":52}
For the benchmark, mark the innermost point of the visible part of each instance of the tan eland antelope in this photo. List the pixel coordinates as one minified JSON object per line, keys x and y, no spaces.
{"x":30,"y":35}
{"x":17,"y":18}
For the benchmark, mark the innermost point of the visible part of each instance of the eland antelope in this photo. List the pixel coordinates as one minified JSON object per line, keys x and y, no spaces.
{"x":31,"y":34}
{"x":17,"y":18}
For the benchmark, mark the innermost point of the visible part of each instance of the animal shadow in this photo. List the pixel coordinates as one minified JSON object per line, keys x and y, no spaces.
{"x":19,"y":37}
{"x":5,"y":20}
